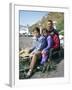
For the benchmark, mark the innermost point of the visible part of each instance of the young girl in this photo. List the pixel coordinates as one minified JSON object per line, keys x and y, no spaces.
{"x":45,"y":51}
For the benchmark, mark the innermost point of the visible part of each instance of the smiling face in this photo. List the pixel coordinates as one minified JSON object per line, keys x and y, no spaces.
{"x":36,"y":32}
{"x":45,"y":32}
{"x":50,"y":25}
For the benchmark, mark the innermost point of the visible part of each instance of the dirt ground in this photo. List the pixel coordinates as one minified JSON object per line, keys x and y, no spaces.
{"x":25,"y":42}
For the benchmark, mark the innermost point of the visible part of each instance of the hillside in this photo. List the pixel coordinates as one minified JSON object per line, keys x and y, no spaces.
{"x":54,"y":16}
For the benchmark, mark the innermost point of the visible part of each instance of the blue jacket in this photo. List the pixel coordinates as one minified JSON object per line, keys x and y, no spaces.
{"x":39,"y":44}
{"x":49,"y":43}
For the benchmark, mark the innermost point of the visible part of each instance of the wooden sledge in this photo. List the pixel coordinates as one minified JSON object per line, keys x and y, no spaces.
{"x":24,"y":55}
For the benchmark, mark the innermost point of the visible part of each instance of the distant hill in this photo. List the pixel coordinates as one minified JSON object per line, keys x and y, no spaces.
{"x":54,"y":16}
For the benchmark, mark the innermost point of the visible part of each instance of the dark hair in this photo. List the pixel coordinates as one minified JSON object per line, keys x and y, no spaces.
{"x":44,"y":29}
{"x":50,"y":21}
{"x":36,"y":29}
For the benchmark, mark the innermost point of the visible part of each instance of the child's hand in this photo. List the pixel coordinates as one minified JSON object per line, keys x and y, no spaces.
{"x":31,"y":54}
{"x":43,"y":52}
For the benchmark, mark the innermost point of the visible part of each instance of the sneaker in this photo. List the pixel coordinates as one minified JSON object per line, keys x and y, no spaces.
{"x":29,"y":74}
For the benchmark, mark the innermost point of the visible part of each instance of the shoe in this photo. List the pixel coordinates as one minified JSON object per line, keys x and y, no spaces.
{"x":39,"y":68}
{"x":29,"y":74}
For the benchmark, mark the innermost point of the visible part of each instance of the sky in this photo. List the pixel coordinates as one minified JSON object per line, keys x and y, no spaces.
{"x":30,"y":17}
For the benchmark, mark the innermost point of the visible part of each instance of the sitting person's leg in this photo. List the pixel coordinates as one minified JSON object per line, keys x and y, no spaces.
{"x":44,"y":57}
{"x":33,"y":61}
{"x":44,"y":60}
{"x":50,"y":53}
{"x":35,"y":57}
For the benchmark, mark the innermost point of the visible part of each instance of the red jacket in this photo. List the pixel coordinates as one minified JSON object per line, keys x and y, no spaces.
{"x":56,"y":40}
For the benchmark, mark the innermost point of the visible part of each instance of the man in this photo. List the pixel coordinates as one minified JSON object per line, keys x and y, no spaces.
{"x":51,"y":28}
{"x":55,"y":37}
{"x":36,"y":50}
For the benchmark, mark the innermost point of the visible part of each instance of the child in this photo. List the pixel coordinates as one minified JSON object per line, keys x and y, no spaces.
{"x":45,"y":51}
